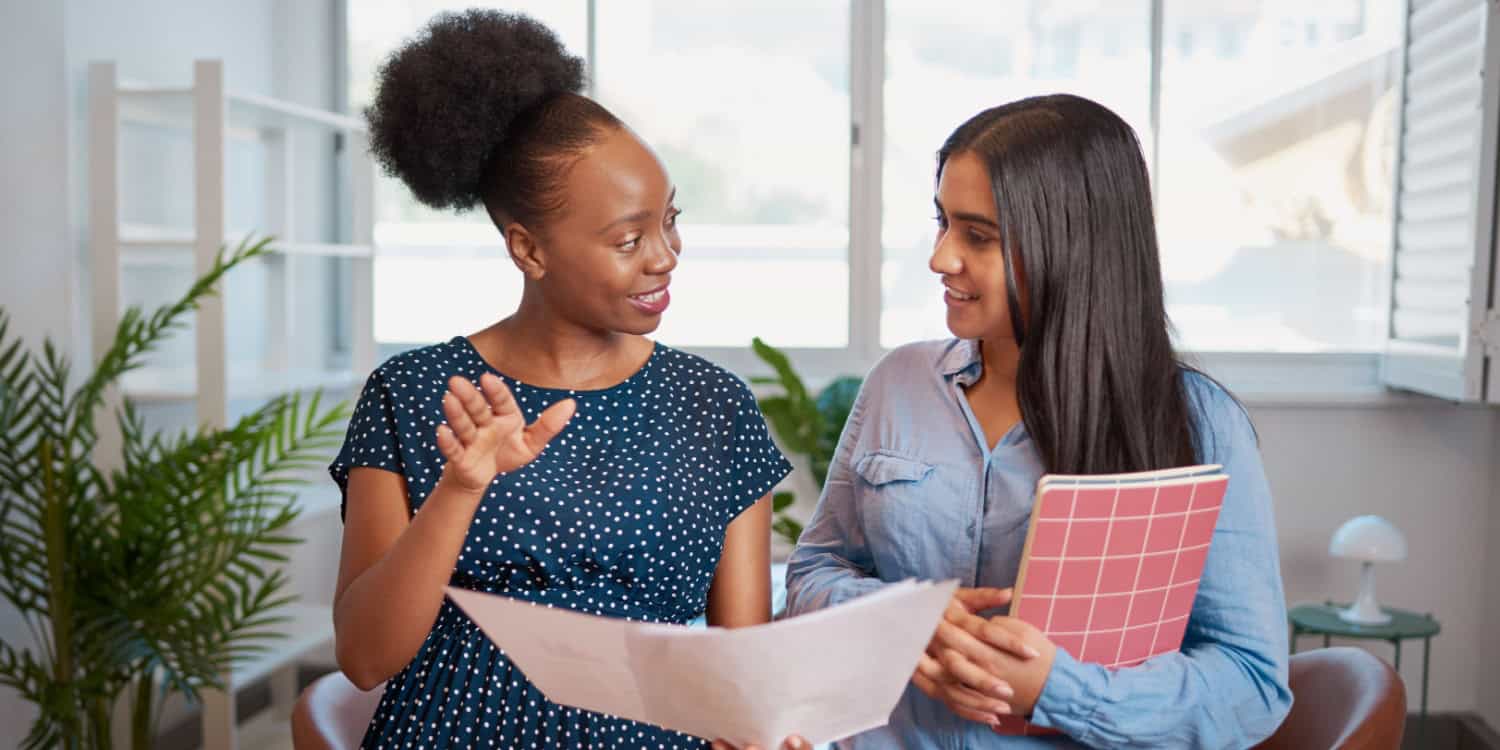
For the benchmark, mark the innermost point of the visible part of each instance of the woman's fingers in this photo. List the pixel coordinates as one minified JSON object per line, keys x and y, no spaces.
{"x":501,"y":402}
{"x":950,"y":636}
{"x":978,"y":599}
{"x":992,"y":699}
{"x":971,"y":675}
{"x":1005,"y":639}
{"x":473,"y":402}
{"x":548,"y":424}
{"x":938,"y":677}
{"x":458,"y":419}
{"x":448,"y":444}
{"x":936,"y":691}
{"x":928,"y":667}
{"x":985,"y":632}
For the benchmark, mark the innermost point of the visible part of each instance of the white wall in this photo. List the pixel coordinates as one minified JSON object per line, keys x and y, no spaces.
{"x":34,"y":198}
{"x":35,"y":283}
{"x":1426,"y":468}
{"x":1489,"y":650}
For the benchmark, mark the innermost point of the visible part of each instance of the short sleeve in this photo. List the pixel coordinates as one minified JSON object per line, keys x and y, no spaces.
{"x":756,"y":465}
{"x":371,"y":440}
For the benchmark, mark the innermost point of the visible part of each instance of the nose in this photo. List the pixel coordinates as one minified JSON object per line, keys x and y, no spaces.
{"x":663,"y":255}
{"x":945,"y":261}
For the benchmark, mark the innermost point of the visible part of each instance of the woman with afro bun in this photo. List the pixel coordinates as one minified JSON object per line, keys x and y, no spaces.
{"x":558,"y":456}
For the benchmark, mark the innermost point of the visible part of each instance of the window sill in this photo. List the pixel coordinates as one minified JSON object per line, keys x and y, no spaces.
{"x":1376,"y":398}
{"x":1265,"y":380}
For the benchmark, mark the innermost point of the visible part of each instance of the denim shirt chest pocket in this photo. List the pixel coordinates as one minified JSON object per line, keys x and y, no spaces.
{"x":913,"y":513}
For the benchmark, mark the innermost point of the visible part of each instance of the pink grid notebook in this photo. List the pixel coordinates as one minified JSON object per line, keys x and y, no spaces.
{"x":1112,"y":562}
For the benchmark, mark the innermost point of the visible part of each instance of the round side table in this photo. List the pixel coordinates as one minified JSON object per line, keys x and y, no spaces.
{"x":1323,"y":619}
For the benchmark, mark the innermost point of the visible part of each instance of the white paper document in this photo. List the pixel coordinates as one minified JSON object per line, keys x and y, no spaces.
{"x":825,"y":675}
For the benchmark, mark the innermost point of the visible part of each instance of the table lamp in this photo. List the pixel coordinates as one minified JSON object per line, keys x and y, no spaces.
{"x":1368,"y":539}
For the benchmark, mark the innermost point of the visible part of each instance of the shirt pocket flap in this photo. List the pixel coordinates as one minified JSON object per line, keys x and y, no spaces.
{"x":884,"y":467}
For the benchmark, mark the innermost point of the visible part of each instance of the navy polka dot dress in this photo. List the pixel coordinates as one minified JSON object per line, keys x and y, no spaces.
{"x":623,"y":515}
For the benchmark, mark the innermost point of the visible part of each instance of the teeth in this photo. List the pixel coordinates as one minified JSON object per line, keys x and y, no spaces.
{"x":960,"y":295}
{"x":652,"y":297}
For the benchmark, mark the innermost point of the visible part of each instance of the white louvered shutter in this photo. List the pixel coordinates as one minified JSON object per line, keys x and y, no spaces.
{"x":1444,"y":234}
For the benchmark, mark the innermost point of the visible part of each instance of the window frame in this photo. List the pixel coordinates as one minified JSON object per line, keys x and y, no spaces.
{"x":1265,"y":378}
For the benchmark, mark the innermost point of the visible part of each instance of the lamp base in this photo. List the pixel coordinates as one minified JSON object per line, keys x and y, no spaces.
{"x":1365,"y":610}
{"x":1354,"y":616}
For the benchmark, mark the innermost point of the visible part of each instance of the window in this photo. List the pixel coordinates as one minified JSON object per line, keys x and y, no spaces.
{"x":750,"y":114}
{"x":1274,"y":178}
{"x":946,"y":61}
{"x":1276,"y":124}
{"x":424,"y":250}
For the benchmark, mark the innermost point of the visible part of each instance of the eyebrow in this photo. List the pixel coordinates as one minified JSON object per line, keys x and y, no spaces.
{"x":638,"y":215}
{"x":965,"y":216}
{"x":626,"y":219}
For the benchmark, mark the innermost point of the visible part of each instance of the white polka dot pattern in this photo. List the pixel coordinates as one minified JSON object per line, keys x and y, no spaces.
{"x":623,"y":515}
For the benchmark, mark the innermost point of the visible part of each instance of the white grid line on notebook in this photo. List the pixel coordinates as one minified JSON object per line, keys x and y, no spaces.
{"x":1140,"y":564}
{"x":1173,"y":514}
{"x":1132,"y":593}
{"x":1192,"y":495}
{"x":1114,"y":505}
{"x":1067,"y":530}
{"x":1126,"y":556}
{"x":1107,"y":631}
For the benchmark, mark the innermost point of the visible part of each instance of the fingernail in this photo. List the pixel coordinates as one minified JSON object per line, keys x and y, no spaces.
{"x":1003,"y":710}
{"x":1003,"y":690}
{"x":1033,"y":653}
{"x":795,"y":743}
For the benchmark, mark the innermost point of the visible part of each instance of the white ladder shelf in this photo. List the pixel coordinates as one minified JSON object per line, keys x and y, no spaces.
{"x":216,"y":115}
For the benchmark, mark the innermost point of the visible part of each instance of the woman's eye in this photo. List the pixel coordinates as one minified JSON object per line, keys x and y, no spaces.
{"x":631,"y":243}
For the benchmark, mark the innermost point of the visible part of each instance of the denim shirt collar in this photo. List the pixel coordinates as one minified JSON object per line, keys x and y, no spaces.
{"x":962,"y":362}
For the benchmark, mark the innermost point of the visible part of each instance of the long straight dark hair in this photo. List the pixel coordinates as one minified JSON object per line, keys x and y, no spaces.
{"x":1100,"y":387}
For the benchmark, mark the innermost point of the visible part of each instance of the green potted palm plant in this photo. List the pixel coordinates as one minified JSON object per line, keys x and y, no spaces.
{"x":152,"y":572}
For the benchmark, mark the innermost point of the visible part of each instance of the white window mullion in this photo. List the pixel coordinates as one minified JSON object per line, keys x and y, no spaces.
{"x":866,"y":96}
{"x":591,"y":51}
{"x":1158,"y":13}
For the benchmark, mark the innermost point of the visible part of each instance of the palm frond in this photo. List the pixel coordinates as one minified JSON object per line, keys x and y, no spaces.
{"x":137,"y":334}
{"x":159,"y":576}
{"x":210,"y":510}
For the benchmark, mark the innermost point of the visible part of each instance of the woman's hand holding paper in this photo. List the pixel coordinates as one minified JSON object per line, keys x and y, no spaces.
{"x":984,"y":668}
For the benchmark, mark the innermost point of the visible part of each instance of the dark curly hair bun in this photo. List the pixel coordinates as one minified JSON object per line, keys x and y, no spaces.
{"x":445,"y":101}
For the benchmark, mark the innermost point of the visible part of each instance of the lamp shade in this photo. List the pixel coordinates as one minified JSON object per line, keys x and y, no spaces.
{"x":1369,"y":539}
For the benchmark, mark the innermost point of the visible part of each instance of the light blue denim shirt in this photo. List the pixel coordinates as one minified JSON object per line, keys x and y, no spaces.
{"x":914,"y":492}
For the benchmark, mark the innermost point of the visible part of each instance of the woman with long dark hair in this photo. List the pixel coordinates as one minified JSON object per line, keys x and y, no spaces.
{"x":1062,"y":362}
{"x":557,"y":456}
